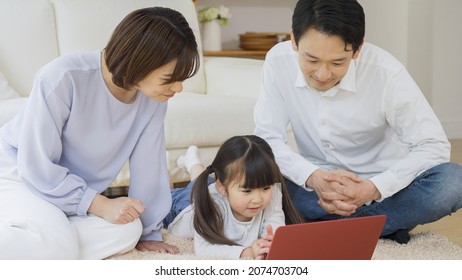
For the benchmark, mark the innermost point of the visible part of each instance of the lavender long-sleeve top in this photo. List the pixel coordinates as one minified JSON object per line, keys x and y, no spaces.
{"x":74,"y":136}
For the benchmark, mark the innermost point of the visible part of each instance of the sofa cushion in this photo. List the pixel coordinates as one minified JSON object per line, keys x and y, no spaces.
{"x":6,"y":92}
{"x":10,"y":107}
{"x":28,"y":40}
{"x":82,"y":23}
{"x":207,"y":120}
{"x":221,"y":73}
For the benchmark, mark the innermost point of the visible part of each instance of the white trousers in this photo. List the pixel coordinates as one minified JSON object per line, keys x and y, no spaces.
{"x":32,"y":228}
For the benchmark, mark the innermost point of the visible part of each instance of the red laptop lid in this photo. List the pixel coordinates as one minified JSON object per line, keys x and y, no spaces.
{"x":344,"y":239}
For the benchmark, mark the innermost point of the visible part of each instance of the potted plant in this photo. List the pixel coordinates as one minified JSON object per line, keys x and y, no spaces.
{"x":212,"y":18}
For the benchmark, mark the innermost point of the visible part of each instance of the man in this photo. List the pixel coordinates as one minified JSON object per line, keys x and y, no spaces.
{"x":368,"y":141}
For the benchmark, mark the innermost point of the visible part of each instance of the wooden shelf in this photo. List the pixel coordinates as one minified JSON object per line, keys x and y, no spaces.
{"x":237,"y":53}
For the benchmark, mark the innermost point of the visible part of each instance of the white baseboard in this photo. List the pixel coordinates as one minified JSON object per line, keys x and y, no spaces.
{"x":453,"y":129}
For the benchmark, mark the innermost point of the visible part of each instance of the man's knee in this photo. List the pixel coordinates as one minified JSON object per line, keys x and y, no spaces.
{"x":448,"y":170}
{"x":444,"y":182}
{"x":448,"y":176}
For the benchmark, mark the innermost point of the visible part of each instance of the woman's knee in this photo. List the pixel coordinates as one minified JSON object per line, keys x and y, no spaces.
{"x":99,"y":239}
{"x":125,"y":238}
{"x":131,"y":232}
{"x":125,"y":235}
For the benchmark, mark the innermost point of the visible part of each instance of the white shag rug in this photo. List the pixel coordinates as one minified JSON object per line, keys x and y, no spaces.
{"x":422,"y":246}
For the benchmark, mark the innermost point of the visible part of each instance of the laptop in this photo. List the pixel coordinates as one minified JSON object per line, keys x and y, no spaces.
{"x":344,"y":239}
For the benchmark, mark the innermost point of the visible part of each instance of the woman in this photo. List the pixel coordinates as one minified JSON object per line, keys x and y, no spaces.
{"x":88,"y":113}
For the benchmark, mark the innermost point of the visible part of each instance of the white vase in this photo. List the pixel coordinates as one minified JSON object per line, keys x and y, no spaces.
{"x":211,"y":36}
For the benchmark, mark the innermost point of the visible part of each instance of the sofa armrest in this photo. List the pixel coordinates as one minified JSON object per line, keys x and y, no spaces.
{"x":231,"y":76}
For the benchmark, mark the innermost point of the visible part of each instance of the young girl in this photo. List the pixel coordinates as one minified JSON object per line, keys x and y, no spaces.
{"x":87,"y":114}
{"x":235,"y":216}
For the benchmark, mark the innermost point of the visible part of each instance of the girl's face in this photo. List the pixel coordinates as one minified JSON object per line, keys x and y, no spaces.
{"x":154,"y":87}
{"x":246,"y":203}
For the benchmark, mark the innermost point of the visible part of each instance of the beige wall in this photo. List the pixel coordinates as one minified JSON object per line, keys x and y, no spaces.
{"x":425,"y":36}
{"x":422,"y":34}
{"x":253,"y":16}
{"x":447,"y":65}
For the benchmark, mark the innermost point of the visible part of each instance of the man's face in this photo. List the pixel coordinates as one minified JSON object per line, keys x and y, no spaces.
{"x":323,"y":58}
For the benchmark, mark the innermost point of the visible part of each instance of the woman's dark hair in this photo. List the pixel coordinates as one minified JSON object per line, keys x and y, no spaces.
{"x":147,"y":39}
{"x":249,"y":161}
{"x":344,"y":18}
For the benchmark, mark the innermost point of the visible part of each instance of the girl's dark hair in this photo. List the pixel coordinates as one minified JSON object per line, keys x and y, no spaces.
{"x":249,"y":161}
{"x":344,"y":18}
{"x":147,"y":39}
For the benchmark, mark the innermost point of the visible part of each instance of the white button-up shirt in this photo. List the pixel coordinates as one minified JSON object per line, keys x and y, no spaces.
{"x":375,"y":122}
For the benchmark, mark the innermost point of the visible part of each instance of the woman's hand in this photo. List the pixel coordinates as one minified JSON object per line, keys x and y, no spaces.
{"x":157,"y":246}
{"x":121,"y":210}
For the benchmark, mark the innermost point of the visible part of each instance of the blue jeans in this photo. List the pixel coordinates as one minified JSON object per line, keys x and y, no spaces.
{"x":181,"y":198}
{"x":434,"y":194}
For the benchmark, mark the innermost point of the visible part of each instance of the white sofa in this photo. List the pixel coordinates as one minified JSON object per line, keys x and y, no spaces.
{"x":216,"y":104}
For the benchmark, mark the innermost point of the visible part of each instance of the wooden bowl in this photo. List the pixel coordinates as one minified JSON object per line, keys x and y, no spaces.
{"x":260,"y":40}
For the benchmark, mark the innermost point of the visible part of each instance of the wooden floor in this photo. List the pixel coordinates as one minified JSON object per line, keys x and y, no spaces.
{"x":450,"y":226}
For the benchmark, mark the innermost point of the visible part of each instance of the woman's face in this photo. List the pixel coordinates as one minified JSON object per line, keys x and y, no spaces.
{"x":154,"y":87}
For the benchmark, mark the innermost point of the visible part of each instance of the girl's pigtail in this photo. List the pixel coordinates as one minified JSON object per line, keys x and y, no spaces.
{"x":208,"y":221}
{"x":292,"y":215}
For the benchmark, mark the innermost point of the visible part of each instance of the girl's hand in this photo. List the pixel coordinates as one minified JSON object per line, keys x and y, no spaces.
{"x":157,"y":246}
{"x":269,"y":238}
{"x":260,"y":247}
{"x":121,"y":210}
{"x":269,"y":233}
{"x":258,"y":250}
